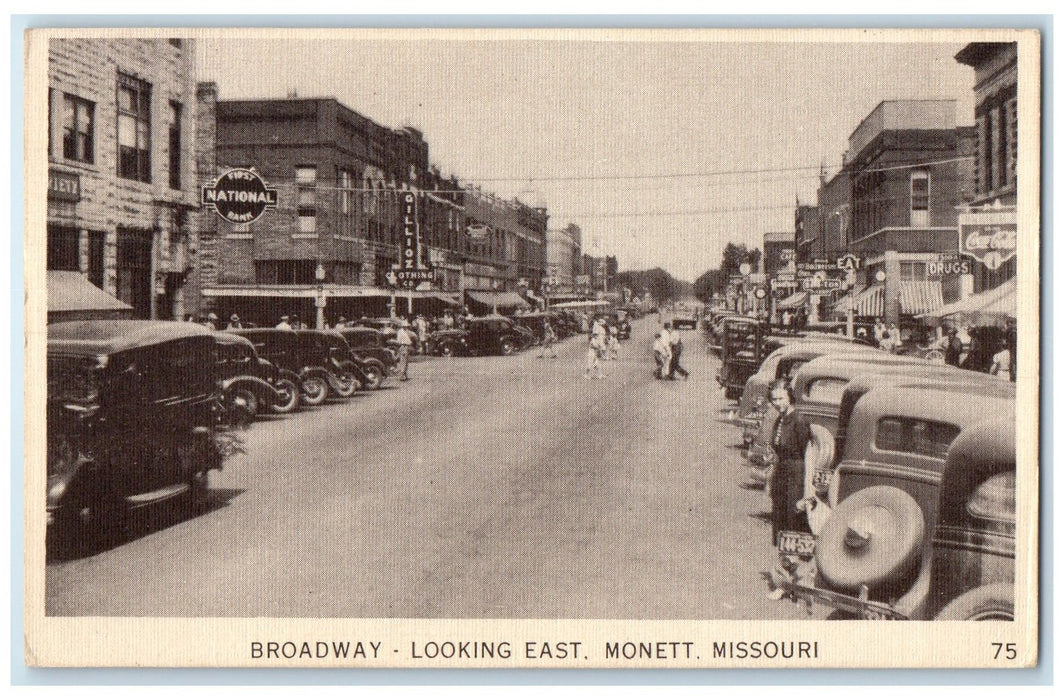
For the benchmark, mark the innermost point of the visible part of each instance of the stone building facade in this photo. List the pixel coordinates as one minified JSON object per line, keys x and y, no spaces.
{"x":122,"y":175}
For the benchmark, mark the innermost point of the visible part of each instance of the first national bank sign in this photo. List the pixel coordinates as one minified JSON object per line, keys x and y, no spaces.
{"x":239,"y":196}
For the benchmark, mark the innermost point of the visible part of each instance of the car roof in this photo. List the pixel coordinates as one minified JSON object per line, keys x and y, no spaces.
{"x":231,"y":339}
{"x":908,"y":374}
{"x":933,"y":402}
{"x":850,"y":365}
{"x":111,"y":336}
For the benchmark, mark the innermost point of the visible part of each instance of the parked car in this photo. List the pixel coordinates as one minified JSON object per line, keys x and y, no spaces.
{"x":250,"y":384}
{"x":489,"y":335}
{"x":741,"y":353}
{"x":783,"y":362}
{"x":305,"y":357}
{"x":973,"y":560}
{"x":872,"y":553}
{"x":371,"y":343}
{"x":131,"y":412}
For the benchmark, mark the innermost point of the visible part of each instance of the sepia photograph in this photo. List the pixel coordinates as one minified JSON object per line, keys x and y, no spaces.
{"x":536,"y":348}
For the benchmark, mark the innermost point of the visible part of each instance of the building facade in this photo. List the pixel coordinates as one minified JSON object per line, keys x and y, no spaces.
{"x":894,"y":206}
{"x":564,"y":259}
{"x":121,"y":169}
{"x":997,"y":152}
{"x":332,"y":244}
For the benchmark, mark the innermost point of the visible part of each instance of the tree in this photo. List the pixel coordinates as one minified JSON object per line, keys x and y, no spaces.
{"x":737,"y":254}
{"x":709,"y":283}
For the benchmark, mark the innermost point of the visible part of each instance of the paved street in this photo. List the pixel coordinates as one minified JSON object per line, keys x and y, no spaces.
{"x":484,"y":487}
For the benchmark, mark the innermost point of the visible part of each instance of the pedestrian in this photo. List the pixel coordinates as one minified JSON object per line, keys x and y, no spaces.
{"x":1001,"y":364}
{"x":403,"y":340}
{"x":954,"y":347}
{"x":786,"y":319}
{"x":284,"y":324}
{"x":448,"y":319}
{"x":211,"y":322}
{"x":790,"y":436}
{"x":340,"y":323}
{"x":549,"y":336}
{"x":662,"y":354}
{"x":595,"y":346}
{"x":676,"y":349}
{"x":422,"y":332}
{"x":879,"y":332}
{"x":234,"y":323}
{"x":893,"y":338}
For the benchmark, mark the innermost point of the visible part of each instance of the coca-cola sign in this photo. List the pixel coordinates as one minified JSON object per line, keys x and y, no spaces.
{"x":988,"y":236}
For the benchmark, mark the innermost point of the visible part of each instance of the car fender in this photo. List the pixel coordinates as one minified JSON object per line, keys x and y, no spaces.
{"x":264,"y":389}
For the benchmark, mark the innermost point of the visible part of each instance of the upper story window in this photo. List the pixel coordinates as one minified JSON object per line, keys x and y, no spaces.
{"x":347,"y":182}
{"x":78,"y":129}
{"x":920,"y":197}
{"x":175,"y":145}
{"x":134,"y":128}
{"x":306,"y":175}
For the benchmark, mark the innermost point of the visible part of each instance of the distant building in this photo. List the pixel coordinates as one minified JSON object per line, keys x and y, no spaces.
{"x":121,"y":169}
{"x":564,"y":259}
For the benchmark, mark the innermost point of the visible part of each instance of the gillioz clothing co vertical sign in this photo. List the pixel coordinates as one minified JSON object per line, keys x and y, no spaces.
{"x":989,"y":236}
{"x":412,"y":269}
{"x":239,"y":196}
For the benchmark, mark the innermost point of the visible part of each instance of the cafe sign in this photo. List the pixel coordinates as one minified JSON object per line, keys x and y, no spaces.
{"x":239,"y":196}
{"x":988,"y":236}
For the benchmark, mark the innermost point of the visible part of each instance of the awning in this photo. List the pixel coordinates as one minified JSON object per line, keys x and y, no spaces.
{"x":842,"y":306}
{"x":497,"y":299}
{"x":593,"y":304}
{"x":72,"y":297}
{"x":988,"y":306}
{"x":919,"y":297}
{"x":794,"y":301}
{"x":869,"y":302}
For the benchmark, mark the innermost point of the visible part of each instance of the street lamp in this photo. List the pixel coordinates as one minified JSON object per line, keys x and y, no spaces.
{"x":319,"y":300}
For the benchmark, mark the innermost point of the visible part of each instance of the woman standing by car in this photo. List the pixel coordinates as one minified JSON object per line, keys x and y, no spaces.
{"x":790,"y":436}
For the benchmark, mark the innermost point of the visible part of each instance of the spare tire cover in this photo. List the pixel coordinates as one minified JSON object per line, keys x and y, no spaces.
{"x":872,"y":538}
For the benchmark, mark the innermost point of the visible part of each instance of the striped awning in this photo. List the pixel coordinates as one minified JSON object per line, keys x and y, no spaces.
{"x":842,"y":306}
{"x":869,"y":302}
{"x":920,"y":297}
{"x":992,"y":305}
{"x":793,"y":301}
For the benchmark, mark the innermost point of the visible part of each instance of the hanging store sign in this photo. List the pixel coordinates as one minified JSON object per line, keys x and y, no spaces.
{"x":989,"y":236}
{"x":64,"y":186}
{"x":948,"y":265}
{"x":478,"y":232}
{"x":239,"y":196}
{"x":412,"y":268}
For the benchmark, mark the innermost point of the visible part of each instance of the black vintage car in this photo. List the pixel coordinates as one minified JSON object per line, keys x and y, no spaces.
{"x":131,"y":413}
{"x":249,"y":383}
{"x":370,"y":343}
{"x":352,"y":369}
{"x":490,"y":335}
{"x":306,"y":357}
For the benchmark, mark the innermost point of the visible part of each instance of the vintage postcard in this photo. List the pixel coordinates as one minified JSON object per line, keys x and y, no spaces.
{"x":500,"y":348}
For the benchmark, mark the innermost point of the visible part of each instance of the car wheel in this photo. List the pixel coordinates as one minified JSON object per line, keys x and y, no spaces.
{"x":289,"y":394}
{"x":314,"y":391}
{"x":347,"y":381}
{"x":91,"y":517}
{"x":991,"y":602}
{"x":374,"y":377}
{"x":243,"y":404}
{"x":507,"y":347}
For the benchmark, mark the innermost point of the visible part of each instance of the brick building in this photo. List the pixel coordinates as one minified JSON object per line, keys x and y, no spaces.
{"x":329,"y":247}
{"x":122,"y":181}
{"x":894,"y":204}
{"x":997,"y":153}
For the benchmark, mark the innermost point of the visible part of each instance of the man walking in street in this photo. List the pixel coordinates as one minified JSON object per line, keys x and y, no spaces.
{"x":549,"y":336}
{"x":675,"y":349}
{"x":404,"y":340}
{"x":662,"y":354}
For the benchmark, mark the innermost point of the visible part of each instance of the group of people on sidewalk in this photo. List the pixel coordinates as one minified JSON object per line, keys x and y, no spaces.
{"x":668,"y":346}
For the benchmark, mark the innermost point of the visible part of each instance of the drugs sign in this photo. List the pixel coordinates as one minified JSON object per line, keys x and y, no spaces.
{"x":988,"y":236}
{"x":239,"y":196}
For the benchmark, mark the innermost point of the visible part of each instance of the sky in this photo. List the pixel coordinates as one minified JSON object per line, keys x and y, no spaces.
{"x":661,"y":147}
